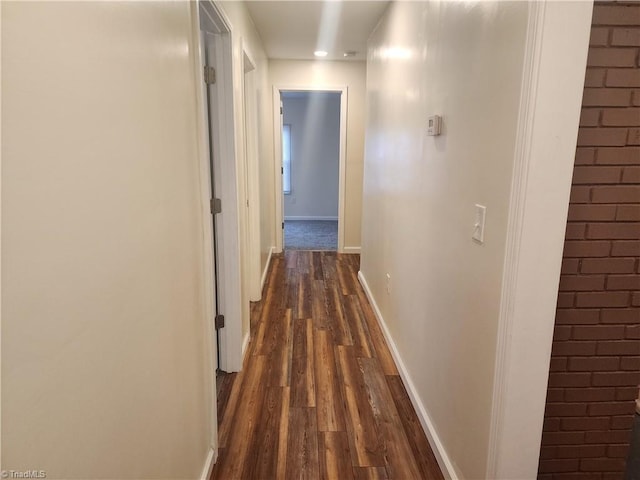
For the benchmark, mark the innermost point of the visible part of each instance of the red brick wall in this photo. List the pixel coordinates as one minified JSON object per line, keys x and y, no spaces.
{"x":595,"y":362}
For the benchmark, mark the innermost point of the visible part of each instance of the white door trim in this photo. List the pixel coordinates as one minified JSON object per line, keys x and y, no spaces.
{"x":0,"y":255}
{"x":252,"y":174}
{"x":277,"y":145}
{"x":207,"y":233}
{"x":214,"y":21}
{"x":557,"y":41}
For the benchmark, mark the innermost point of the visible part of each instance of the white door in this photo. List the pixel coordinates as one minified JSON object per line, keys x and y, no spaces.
{"x":207,"y":44}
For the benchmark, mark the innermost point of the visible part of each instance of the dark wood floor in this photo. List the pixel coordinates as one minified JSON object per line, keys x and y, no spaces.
{"x":319,"y":395}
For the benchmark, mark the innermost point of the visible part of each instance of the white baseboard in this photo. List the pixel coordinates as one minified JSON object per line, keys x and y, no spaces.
{"x":266,"y":269}
{"x":434,"y":440}
{"x":351,"y":250}
{"x":208,"y":464}
{"x":305,"y":217}
{"x":245,"y":344}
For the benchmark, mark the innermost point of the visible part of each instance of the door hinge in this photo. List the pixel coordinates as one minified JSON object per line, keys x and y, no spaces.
{"x":219,"y":322}
{"x":283,"y":225}
{"x":209,"y":75}
{"x":282,"y":170}
{"x":280,"y":110}
{"x":216,"y":205}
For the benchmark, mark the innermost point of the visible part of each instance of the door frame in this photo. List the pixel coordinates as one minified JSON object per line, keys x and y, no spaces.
{"x":547,"y":128}
{"x":207,"y":240}
{"x":213,"y":18}
{"x":253,"y":270}
{"x":277,"y":145}
{"x":207,"y":16}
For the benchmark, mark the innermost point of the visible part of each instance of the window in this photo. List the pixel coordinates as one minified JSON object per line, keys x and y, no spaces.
{"x":286,"y":159}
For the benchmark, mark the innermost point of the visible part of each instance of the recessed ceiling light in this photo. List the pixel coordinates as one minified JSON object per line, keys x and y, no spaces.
{"x":320,"y":53}
{"x":349,"y":53}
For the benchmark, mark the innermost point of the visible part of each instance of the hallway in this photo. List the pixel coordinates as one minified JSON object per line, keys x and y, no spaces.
{"x":319,"y":395}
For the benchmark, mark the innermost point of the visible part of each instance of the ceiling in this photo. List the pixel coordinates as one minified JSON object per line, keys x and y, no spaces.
{"x":293,"y":30}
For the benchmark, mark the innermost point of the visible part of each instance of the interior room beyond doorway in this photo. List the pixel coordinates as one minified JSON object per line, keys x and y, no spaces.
{"x":311,"y":165}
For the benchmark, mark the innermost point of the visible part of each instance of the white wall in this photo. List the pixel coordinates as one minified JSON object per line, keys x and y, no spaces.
{"x":105,"y":367}
{"x":317,"y":74}
{"x":315,"y":155}
{"x":464,"y":63}
{"x":452,"y":312}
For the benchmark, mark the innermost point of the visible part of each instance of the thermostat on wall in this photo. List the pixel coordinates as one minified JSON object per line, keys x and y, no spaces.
{"x":433,"y":125}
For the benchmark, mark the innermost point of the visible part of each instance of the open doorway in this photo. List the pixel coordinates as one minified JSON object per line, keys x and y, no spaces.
{"x":312,"y":155}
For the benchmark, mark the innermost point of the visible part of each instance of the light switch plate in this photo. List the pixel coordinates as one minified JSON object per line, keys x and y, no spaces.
{"x":478,"y":224}
{"x":433,"y":125}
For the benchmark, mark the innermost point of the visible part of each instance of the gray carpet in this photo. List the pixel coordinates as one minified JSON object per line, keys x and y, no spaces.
{"x":310,"y":235}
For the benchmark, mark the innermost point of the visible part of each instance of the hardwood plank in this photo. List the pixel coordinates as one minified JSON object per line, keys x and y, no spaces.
{"x":358,"y":327}
{"x":274,"y":305}
{"x":336,"y":321}
{"x":364,"y":440}
{"x":283,"y":434}
{"x":318,"y":305}
{"x":291,"y":302}
{"x":304,"y":296}
{"x":317,"y":266}
{"x":262,"y":454}
{"x":224,"y":387}
{"x":329,"y":403}
{"x":344,"y":277}
{"x":278,"y":362}
{"x":258,"y":339}
{"x":273,"y":279}
{"x":303,"y":391}
{"x":329,"y":269}
{"x":302,"y":446}
{"x":420,"y":447}
{"x":310,"y":381}
{"x":333,"y":453}
{"x":398,"y":454}
{"x":304,"y":261}
{"x":382,"y":352}
{"x":371,"y":473}
{"x":224,"y":425}
{"x":354,"y":267}
{"x":291,"y":258}
{"x":287,"y":355}
{"x":247,"y":413}
{"x":272,"y":332}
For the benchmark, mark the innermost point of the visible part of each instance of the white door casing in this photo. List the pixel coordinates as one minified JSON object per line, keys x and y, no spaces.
{"x":277,"y":145}
{"x":214,"y":23}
